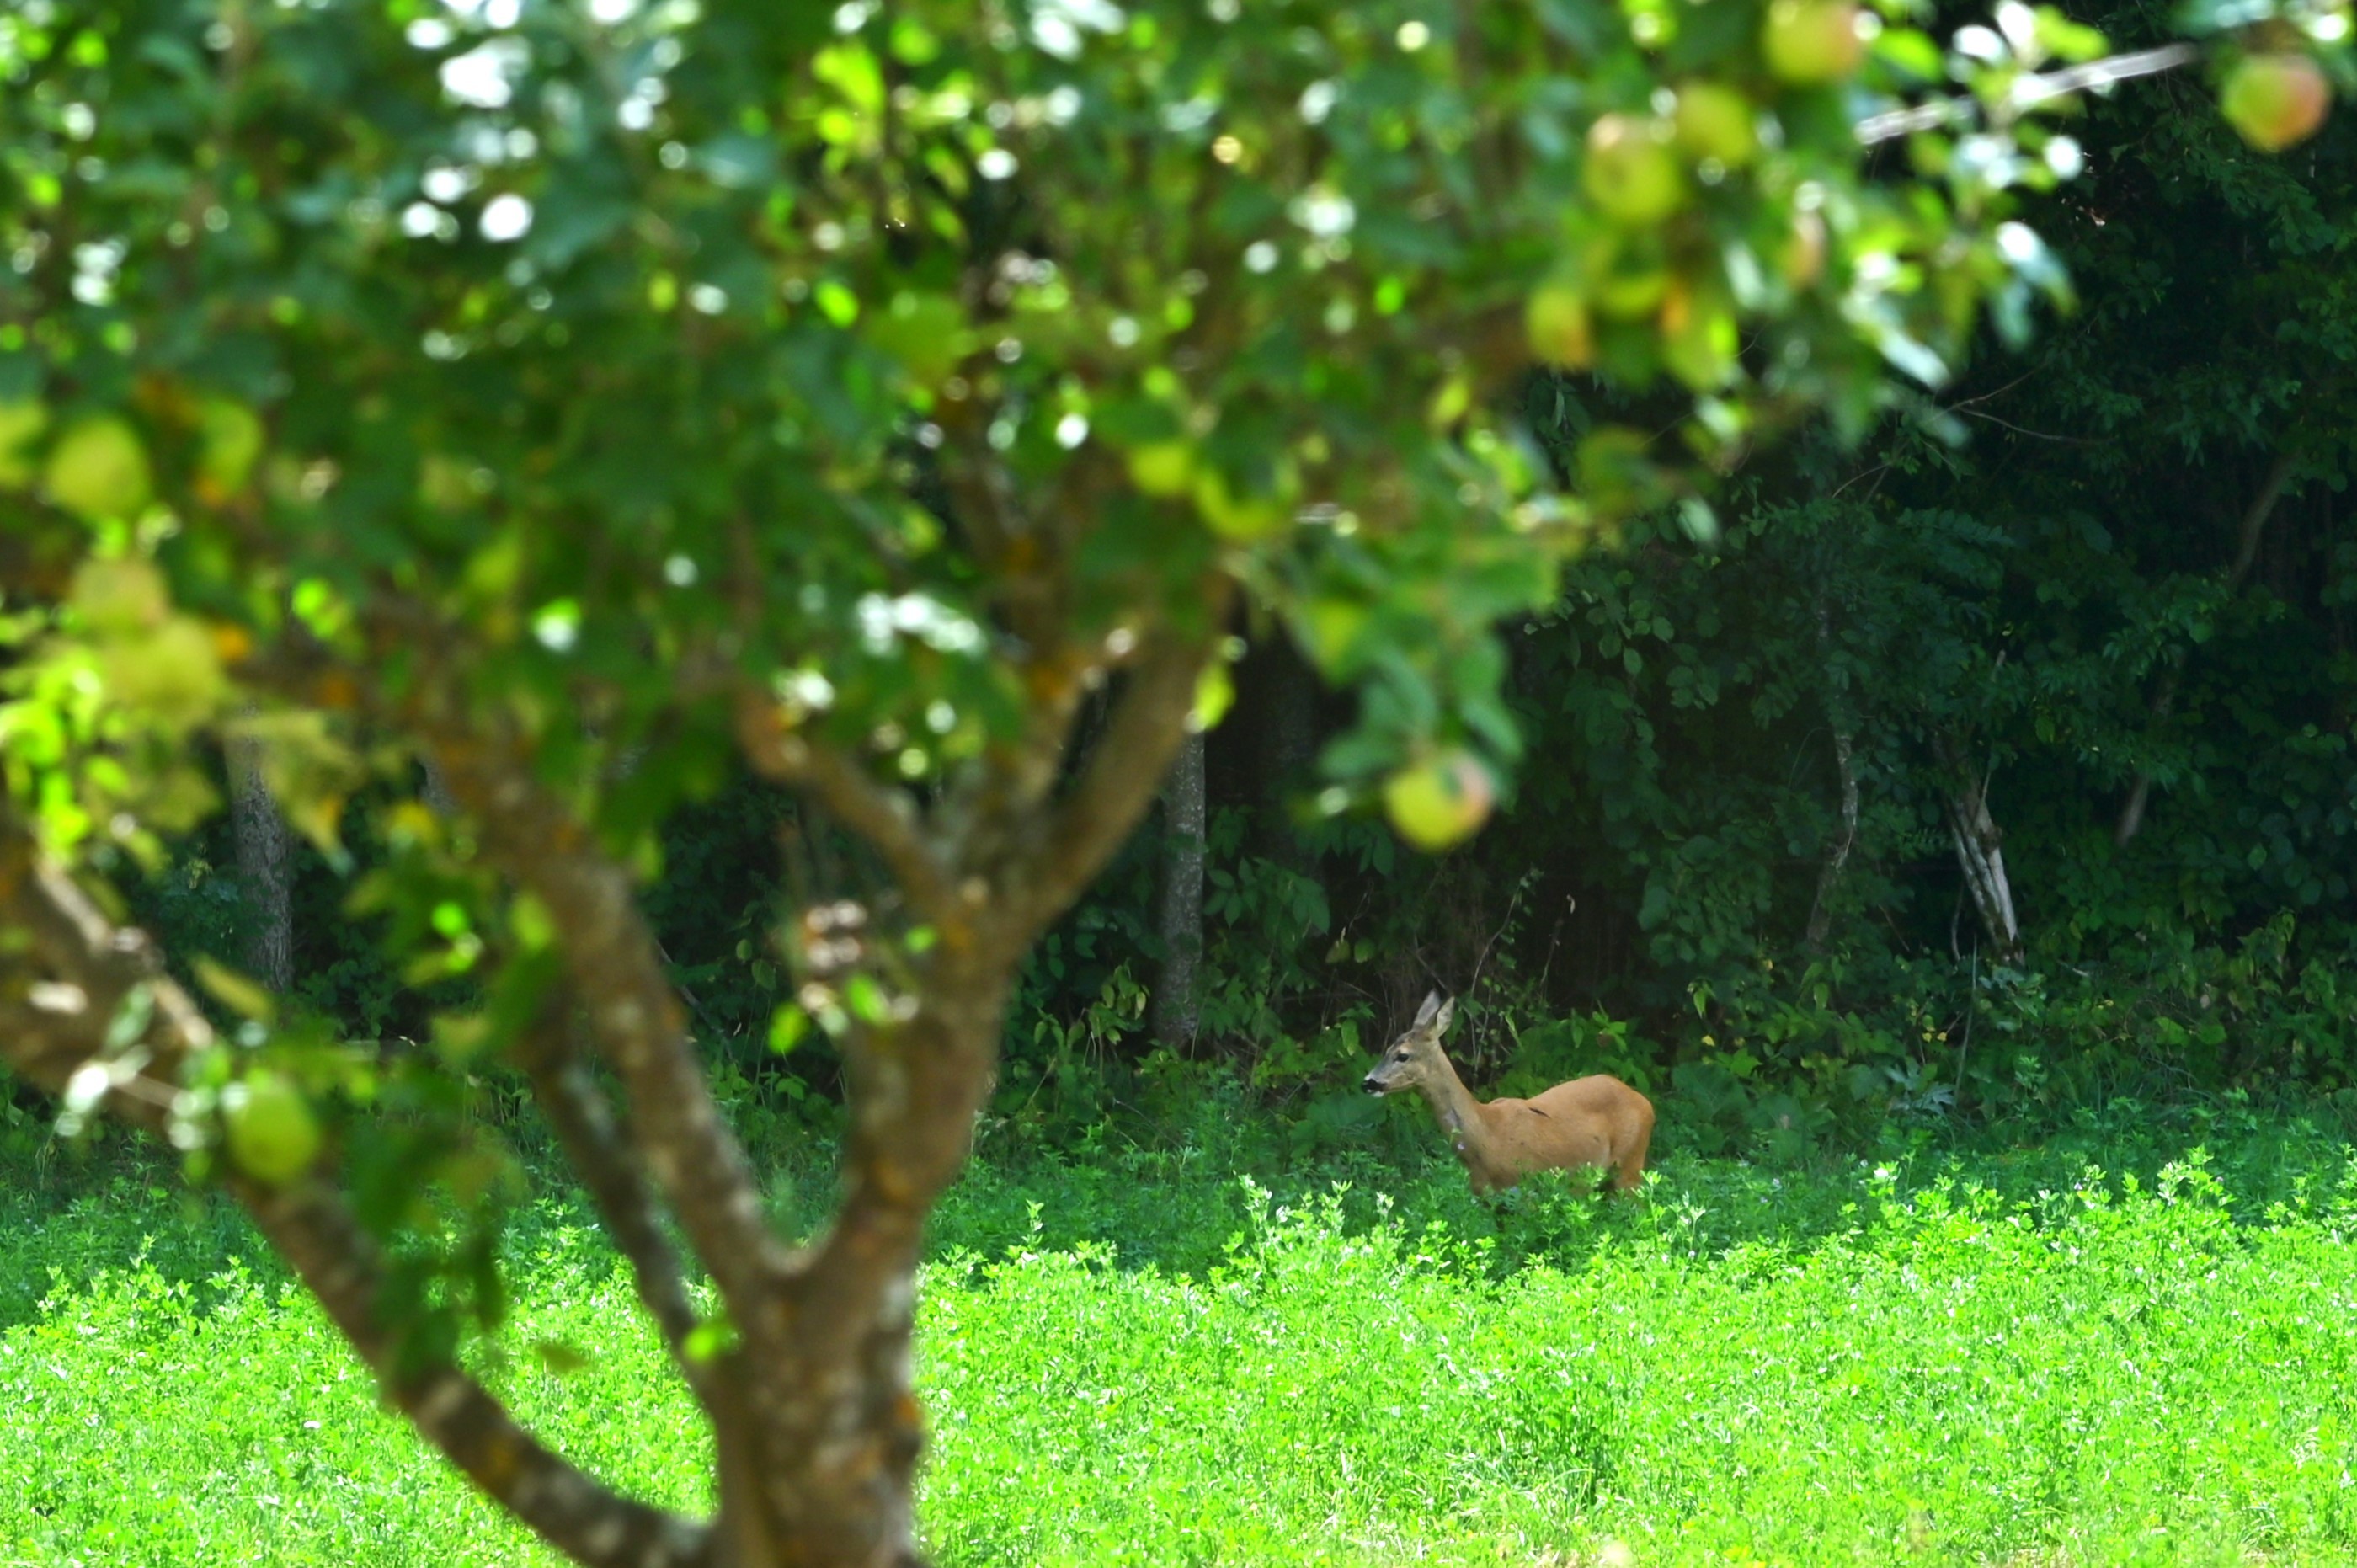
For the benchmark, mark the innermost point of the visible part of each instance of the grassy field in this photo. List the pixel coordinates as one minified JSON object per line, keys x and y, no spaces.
{"x":1144,"y":1358}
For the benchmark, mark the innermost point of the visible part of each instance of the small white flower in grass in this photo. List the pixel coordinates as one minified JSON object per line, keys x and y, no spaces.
{"x":996,"y":164}
{"x":1260,"y":256}
{"x":1071,"y":430}
{"x":1412,"y":35}
{"x":419,"y":219}
{"x":679,"y":572}
{"x":506,"y":217}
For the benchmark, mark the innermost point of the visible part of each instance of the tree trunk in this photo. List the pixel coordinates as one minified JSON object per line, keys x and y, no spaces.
{"x":1978,"y":851}
{"x":1177,"y":1009}
{"x":264,"y":870}
{"x":1821,"y":913}
{"x":1285,"y":748}
{"x":436,"y":793}
{"x":819,"y":1451}
{"x":1838,"y":714}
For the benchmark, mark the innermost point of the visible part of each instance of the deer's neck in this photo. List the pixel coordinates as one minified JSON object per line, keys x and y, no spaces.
{"x":1455,"y":1106}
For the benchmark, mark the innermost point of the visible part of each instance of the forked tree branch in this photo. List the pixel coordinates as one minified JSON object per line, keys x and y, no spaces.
{"x":632,"y":1010}
{"x":68,"y":979}
{"x":1124,"y":771}
{"x":634,"y":1016}
{"x":610,"y":1169}
{"x":878,"y":812}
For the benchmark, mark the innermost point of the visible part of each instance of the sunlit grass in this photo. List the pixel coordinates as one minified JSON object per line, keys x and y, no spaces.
{"x":1802,"y":1368}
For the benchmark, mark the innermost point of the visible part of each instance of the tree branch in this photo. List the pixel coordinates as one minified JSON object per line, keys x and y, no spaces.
{"x":578,"y":1516}
{"x":634,"y":1014}
{"x":610,"y":1170}
{"x":878,"y":812}
{"x":68,"y":981}
{"x":2025,"y":91}
{"x":1123,"y":772}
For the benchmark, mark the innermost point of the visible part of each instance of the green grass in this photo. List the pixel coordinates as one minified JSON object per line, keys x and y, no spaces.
{"x":1973,"y":1358}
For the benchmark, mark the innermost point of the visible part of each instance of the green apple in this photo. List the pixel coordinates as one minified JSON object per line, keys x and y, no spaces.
{"x":1812,"y":42}
{"x":232,"y":442}
{"x":273,"y":1135}
{"x":1630,"y":173}
{"x":173,"y":672}
{"x":1162,"y":468}
{"x":98,"y":470}
{"x":1557,"y":321}
{"x":1715,"y":122}
{"x":120,"y":598}
{"x":1241,"y":519}
{"x":1440,"y":801}
{"x":2275,"y":99}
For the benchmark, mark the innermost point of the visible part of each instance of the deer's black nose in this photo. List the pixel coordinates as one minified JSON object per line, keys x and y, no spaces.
{"x":1370,"y":1085}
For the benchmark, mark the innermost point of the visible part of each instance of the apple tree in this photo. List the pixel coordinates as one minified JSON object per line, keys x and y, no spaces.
{"x":514,"y":415}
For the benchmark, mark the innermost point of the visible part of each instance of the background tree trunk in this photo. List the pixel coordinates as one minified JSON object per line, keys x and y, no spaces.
{"x":1177,"y":1003}
{"x":1285,"y":748}
{"x":1980,"y":852}
{"x":1845,"y":727}
{"x":264,"y":870}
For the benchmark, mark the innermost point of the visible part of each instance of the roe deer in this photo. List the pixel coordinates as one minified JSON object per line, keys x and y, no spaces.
{"x":1598,"y":1121}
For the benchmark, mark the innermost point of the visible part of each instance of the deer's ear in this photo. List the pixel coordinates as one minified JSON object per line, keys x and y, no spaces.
{"x":1441,"y":1019}
{"x":1424,"y":1014}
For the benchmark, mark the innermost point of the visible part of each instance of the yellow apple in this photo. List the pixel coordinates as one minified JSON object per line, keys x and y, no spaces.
{"x":1440,"y":801}
{"x":1630,"y":174}
{"x":1715,"y":122}
{"x":1556,"y":320}
{"x":1811,"y":42}
{"x":2275,"y":99}
{"x":98,"y":469}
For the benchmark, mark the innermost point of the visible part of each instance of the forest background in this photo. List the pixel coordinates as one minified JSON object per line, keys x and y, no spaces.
{"x":1997,"y":767}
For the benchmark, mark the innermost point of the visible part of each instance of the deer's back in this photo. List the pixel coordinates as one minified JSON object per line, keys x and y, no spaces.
{"x":1594,"y":1121}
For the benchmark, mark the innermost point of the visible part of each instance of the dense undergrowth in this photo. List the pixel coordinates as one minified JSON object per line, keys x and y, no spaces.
{"x":2129,"y":1341}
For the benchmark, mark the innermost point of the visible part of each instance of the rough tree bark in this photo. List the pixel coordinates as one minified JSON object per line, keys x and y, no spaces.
{"x":2164,"y":691}
{"x":68,"y":980}
{"x":264,"y":869}
{"x":816,"y":1428}
{"x":1177,"y":1008}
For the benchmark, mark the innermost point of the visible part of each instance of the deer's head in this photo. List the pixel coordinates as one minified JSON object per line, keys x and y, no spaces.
{"x":1414,"y":1057}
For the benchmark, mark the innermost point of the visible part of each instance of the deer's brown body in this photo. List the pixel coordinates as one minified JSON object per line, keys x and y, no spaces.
{"x":1596,"y":1122}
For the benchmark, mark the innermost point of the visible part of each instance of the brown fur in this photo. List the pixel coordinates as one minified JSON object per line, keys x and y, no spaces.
{"x":1596,"y":1122}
